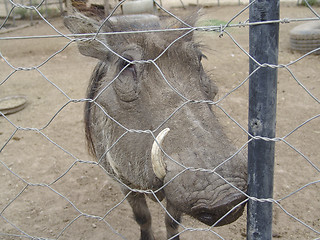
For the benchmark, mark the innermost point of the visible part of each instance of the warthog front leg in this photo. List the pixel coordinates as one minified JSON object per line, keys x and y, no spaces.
{"x":172,"y":222}
{"x":141,"y":213}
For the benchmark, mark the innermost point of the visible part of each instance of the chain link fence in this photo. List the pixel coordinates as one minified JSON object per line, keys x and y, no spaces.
{"x":51,"y":188}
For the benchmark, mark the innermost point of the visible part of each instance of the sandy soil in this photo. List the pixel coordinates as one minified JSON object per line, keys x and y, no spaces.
{"x":47,"y":194}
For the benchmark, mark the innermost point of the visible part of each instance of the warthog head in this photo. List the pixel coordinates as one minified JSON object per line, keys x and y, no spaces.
{"x":149,"y":123}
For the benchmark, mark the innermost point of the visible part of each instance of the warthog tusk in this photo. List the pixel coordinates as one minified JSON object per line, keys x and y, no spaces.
{"x":158,"y":165}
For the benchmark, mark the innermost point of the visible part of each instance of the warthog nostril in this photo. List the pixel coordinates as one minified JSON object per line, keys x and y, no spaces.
{"x":206,"y":218}
{"x":216,"y":214}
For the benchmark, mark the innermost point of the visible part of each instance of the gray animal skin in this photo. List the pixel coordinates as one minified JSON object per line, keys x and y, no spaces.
{"x":129,"y":92}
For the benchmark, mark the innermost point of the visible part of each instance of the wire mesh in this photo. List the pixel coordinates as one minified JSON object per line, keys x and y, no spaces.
{"x":52,"y":189}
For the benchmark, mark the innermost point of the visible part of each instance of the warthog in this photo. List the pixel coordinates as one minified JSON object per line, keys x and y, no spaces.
{"x":141,"y":89}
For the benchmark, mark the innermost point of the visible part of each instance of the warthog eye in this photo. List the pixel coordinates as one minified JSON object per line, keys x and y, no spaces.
{"x":125,"y":65}
{"x":127,"y":83}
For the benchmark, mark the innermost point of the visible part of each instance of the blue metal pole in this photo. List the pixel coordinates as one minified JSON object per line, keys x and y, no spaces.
{"x":263,"y":41}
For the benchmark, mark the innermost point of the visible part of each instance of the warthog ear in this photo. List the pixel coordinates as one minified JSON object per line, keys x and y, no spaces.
{"x":88,"y":45}
{"x":188,"y":21}
{"x":191,"y":21}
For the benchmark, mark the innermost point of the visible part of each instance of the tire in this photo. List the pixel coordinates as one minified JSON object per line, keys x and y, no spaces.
{"x":306,"y":37}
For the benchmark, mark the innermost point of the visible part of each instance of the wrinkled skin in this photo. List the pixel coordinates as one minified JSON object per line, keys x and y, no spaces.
{"x":140,"y":98}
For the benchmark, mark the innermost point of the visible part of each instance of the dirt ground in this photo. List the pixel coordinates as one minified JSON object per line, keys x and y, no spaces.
{"x":46,"y":193}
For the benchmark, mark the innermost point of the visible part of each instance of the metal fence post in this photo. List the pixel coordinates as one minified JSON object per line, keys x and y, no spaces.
{"x":263,"y":40}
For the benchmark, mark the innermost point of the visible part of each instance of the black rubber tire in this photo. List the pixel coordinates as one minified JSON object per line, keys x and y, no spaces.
{"x":306,"y":37}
